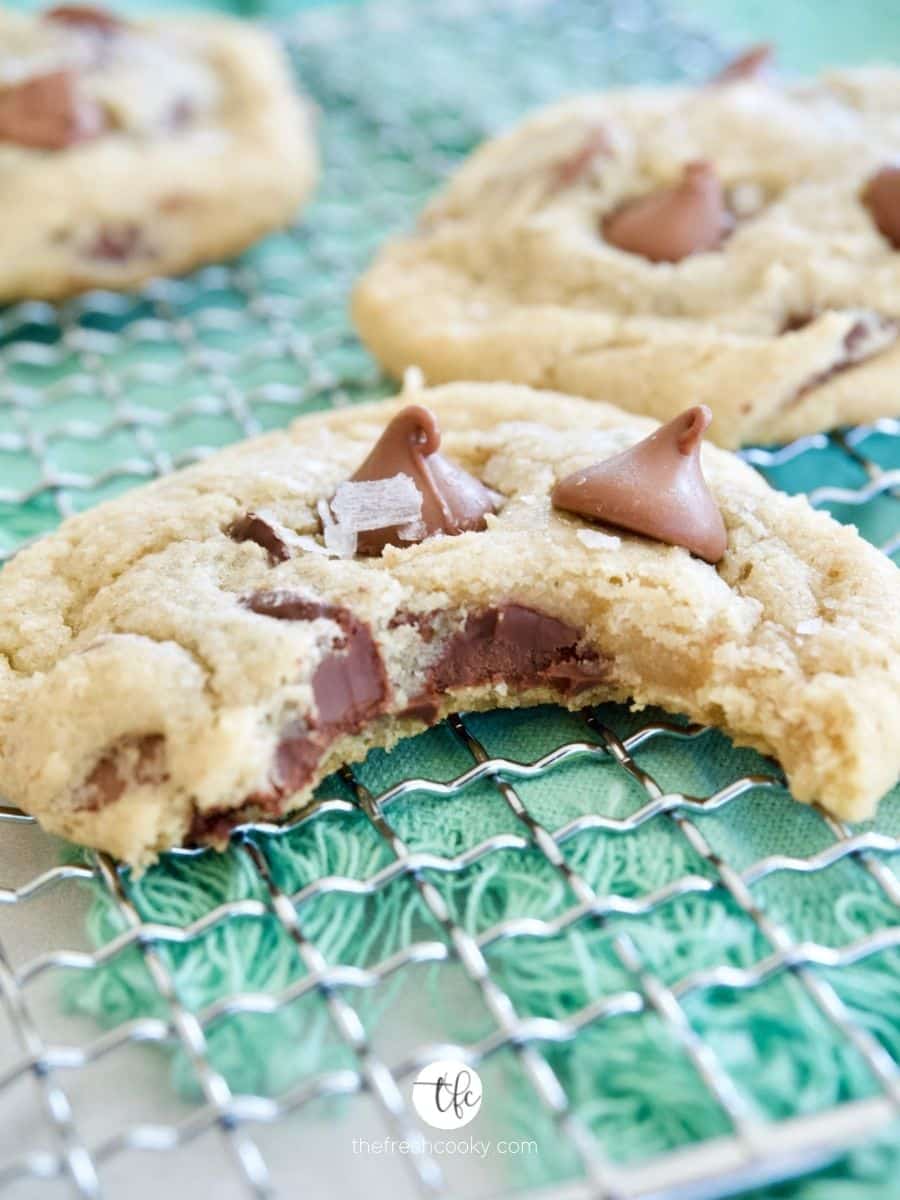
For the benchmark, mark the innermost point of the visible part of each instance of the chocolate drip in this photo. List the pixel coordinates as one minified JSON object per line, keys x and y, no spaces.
{"x":46,"y":112}
{"x":755,"y":62}
{"x":881,"y":196}
{"x":452,"y":500}
{"x":673,"y":223}
{"x":251,"y":527}
{"x":656,"y":488}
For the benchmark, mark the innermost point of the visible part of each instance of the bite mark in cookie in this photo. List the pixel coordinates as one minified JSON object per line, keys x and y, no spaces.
{"x":689,"y":218}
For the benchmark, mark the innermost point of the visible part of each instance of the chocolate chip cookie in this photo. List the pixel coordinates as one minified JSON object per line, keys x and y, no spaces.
{"x":735,"y":244}
{"x":130,"y":149}
{"x":204,"y":650}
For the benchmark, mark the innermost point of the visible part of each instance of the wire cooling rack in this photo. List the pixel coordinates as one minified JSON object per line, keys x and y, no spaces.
{"x":110,"y":390}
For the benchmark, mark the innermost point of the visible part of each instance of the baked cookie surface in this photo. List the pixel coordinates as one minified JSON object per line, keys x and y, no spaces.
{"x":733,"y":245}
{"x":131,"y":149}
{"x":194,"y":654}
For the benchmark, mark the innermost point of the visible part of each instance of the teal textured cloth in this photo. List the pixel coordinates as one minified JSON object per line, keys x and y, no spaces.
{"x":107,"y":390}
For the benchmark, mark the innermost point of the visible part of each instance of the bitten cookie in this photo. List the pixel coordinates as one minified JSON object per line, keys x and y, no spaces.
{"x":735,"y":242}
{"x":130,"y":149}
{"x":205,"y":649}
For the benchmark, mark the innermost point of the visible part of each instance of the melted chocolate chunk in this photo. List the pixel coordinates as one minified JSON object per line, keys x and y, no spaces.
{"x":673,"y":223}
{"x":753,"y":63}
{"x":453,"y":501}
{"x":131,"y":761}
{"x":349,"y":686}
{"x":46,"y":112}
{"x":655,"y":488}
{"x":514,"y":644}
{"x":881,"y":196}
{"x":251,"y":527}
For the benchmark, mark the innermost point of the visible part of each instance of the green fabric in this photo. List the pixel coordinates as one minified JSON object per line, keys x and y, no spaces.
{"x":108,"y":386}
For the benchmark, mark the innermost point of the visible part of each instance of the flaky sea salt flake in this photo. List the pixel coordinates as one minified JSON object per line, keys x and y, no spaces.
{"x":377,"y":503}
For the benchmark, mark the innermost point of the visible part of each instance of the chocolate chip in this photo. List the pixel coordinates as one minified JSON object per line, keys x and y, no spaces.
{"x":655,"y":488}
{"x":118,"y":244}
{"x":453,"y":501}
{"x":881,"y":196}
{"x":671,"y":224}
{"x":753,"y":63}
{"x":251,"y":527}
{"x":131,"y":761}
{"x":46,"y":112}
{"x":516,"y":645}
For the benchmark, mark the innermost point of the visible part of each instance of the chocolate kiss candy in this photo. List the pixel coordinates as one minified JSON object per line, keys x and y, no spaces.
{"x":881,"y":197}
{"x":655,"y":488}
{"x":668,"y":225}
{"x":452,"y":500}
{"x":754,"y":62}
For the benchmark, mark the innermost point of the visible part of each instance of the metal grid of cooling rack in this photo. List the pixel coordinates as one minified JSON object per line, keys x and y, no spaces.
{"x":756,"y":1151}
{"x":84,"y":411}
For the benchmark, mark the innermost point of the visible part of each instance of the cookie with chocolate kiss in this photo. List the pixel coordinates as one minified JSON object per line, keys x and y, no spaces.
{"x":216,"y":675}
{"x":647,"y":247}
{"x":666,"y":226}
